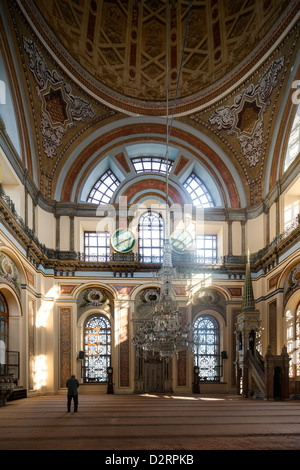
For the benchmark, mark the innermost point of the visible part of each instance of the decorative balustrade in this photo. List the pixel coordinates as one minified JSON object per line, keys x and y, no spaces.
{"x":38,"y":253}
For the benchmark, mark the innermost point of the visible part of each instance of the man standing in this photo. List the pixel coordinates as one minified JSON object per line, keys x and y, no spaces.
{"x":72,"y":386}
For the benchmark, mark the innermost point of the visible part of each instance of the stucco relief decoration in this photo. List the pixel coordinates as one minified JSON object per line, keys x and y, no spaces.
{"x":60,"y":109}
{"x":145,"y":301}
{"x":244,"y":118}
{"x":292,"y":282}
{"x":93,"y":298}
{"x":209,"y":299}
{"x":9,"y":272}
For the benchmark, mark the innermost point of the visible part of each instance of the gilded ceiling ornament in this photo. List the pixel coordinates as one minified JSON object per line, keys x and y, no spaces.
{"x":245,"y":117}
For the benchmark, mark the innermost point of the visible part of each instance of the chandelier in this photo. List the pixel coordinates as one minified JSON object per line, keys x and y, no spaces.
{"x":164,"y":332}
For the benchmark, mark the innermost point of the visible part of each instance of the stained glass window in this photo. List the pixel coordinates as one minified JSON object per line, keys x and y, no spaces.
{"x":153,"y":164}
{"x":104,"y":188}
{"x":151,"y":238}
{"x":206,"y":349}
{"x":3,"y":331}
{"x":198,"y":191}
{"x":97,"y":349}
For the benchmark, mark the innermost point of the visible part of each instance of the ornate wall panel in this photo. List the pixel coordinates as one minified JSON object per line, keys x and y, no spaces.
{"x":31,"y":341}
{"x":124,"y":346}
{"x":65,"y":336}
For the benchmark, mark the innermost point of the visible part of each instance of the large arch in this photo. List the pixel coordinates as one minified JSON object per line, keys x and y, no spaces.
{"x":275,"y":164}
{"x":217,"y":164}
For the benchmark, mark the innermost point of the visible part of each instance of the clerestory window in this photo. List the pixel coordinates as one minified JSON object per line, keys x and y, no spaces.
{"x":96,"y":246}
{"x":152,"y":164}
{"x":198,"y":192}
{"x":151,"y":238}
{"x":103,"y":189}
{"x":206,"y":249}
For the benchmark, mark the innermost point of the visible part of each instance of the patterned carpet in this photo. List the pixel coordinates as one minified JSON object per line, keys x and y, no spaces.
{"x":150,"y":422}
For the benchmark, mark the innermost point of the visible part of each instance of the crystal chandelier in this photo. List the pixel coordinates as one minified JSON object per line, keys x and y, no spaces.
{"x":164,"y":333}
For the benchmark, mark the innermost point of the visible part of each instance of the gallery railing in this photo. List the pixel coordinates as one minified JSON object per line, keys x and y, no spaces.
{"x":38,"y":253}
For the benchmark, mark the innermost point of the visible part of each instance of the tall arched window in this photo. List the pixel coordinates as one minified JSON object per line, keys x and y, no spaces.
{"x":97,"y":348}
{"x":206,"y":349}
{"x":293,"y":341}
{"x":151,"y":238}
{"x":3,"y":331}
{"x":293,"y":145}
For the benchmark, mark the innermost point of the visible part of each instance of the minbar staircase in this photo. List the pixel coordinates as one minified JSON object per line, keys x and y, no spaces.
{"x":257,"y":369}
{"x":270,"y":373}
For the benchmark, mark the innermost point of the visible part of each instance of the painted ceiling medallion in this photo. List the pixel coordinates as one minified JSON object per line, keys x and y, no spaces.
{"x":248,"y":117}
{"x":56,"y":106}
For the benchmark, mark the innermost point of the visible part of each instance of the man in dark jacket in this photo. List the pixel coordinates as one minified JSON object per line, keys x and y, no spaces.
{"x":72,"y":386}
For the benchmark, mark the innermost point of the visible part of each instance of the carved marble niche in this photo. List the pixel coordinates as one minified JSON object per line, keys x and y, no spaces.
{"x":209,"y":299}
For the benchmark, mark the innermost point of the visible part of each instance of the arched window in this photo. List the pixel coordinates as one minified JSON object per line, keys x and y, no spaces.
{"x":293,"y":146}
{"x":97,"y":349}
{"x":198,"y":191}
{"x":152,"y":164}
{"x":3,"y":331}
{"x":293,"y":341}
{"x":206,"y":349}
{"x":151,"y":238}
{"x":104,"y":188}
